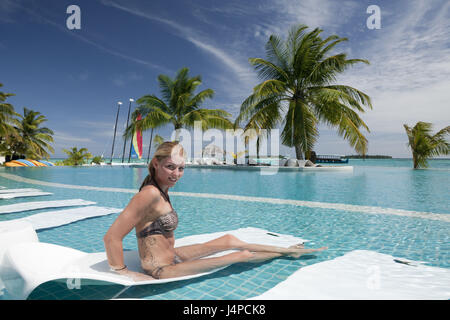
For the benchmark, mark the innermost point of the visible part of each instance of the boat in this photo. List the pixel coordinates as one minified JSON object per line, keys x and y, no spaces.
{"x":331,"y":158}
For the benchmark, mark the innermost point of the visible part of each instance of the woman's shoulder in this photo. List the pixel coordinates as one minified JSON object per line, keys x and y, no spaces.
{"x":150,"y":193}
{"x":146,"y":198}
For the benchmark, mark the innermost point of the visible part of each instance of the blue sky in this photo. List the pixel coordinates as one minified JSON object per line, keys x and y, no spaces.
{"x":76,"y":77}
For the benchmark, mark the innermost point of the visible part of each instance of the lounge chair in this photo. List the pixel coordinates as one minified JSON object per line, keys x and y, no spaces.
{"x":26,"y":263}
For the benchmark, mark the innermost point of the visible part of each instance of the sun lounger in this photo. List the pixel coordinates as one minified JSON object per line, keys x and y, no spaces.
{"x":27,"y":206}
{"x":364,"y":275}
{"x":58,"y":218}
{"x":18,"y":190}
{"x":27,"y":263}
{"x":23,"y":194}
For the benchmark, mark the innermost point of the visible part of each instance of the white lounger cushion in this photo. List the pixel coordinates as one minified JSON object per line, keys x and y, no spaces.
{"x":18,"y":190}
{"x":58,"y":218}
{"x":27,"y":206}
{"x":363,"y":274}
{"x":23,"y":194}
{"x":27,"y":265}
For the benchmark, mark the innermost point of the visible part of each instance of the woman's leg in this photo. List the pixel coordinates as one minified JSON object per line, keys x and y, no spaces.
{"x":230,"y":242}
{"x":199,"y":265}
{"x":208,"y":264}
{"x":196,"y":251}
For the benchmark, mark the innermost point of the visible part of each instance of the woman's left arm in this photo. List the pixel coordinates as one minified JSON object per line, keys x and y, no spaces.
{"x":124,"y":223}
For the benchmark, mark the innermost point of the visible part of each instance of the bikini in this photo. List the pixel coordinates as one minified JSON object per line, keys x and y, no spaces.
{"x":164,"y":225}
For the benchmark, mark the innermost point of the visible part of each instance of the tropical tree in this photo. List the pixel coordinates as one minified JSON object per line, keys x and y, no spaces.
{"x":178,"y":105}
{"x":97,"y":160}
{"x":253,"y":129}
{"x":424,"y":145}
{"x":7,"y":121}
{"x":158,"y":140}
{"x":299,"y":91}
{"x":35,"y":140}
{"x":76,"y":157}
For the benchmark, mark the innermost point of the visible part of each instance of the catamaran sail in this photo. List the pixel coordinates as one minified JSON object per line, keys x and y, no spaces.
{"x":136,"y":145}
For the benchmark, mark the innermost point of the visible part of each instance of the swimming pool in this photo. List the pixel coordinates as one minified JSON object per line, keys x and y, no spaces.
{"x":345,"y":211}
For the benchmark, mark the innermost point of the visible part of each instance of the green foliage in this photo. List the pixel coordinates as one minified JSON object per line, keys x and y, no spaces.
{"x":178,"y":105}
{"x":298,"y":91}
{"x":8,"y":132}
{"x":35,"y":142}
{"x":23,"y":134}
{"x":76,"y":157}
{"x":424,"y":145}
{"x":97,"y":160}
{"x":158,"y":140}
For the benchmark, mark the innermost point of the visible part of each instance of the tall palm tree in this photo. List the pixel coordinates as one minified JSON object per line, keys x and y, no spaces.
{"x":299,"y":91}
{"x":7,"y":120}
{"x":178,"y":105}
{"x":77,"y":157}
{"x":35,"y":142}
{"x":424,"y":145}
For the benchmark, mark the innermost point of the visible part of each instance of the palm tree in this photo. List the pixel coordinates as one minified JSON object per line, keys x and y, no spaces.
{"x":158,"y":140}
{"x":253,"y":129}
{"x":178,"y":106}
{"x":425,"y":145}
{"x":35,"y":140}
{"x":7,"y":121}
{"x":76,"y":157}
{"x":299,"y":91}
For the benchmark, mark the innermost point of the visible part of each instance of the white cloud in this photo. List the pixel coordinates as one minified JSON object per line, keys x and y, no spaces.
{"x":124,"y":79}
{"x":62,"y":28}
{"x":240,"y":71}
{"x":63,"y":137}
{"x":326,"y":14}
{"x":7,"y":10}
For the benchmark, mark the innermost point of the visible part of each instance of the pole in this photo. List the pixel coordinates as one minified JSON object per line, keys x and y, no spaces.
{"x":151,"y":137}
{"x":131,"y":144}
{"x":115,"y":128}
{"x":125,"y":139}
{"x":131,"y":141}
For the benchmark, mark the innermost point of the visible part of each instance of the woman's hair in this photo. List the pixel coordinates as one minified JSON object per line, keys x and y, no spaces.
{"x":165,"y":150}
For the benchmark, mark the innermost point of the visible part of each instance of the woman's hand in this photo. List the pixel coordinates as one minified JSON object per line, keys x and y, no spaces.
{"x":135,"y":276}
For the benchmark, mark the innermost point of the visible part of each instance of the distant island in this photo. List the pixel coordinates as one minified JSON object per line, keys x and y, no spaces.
{"x":357,"y":156}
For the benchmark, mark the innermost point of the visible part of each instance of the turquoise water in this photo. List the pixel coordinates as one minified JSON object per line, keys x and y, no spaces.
{"x":380,"y":183}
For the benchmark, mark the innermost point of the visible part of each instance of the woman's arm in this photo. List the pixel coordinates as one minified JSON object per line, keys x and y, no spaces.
{"x":141,"y":203}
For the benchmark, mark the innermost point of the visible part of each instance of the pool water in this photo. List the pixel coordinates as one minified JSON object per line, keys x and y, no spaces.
{"x":386,"y":184}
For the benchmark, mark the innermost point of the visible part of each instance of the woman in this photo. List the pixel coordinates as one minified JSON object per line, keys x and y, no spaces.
{"x":151,"y":213}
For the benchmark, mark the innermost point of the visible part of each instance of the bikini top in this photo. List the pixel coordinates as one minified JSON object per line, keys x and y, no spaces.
{"x":165,"y":224}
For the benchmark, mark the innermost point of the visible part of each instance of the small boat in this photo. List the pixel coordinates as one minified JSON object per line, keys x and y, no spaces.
{"x":15,"y":163}
{"x":331,"y":158}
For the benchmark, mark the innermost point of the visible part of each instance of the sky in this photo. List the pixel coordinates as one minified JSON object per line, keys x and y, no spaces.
{"x":76,"y":77}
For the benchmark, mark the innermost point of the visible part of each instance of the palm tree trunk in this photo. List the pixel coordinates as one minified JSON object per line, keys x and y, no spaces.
{"x":298,"y":153}
{"x":150,"y":146}
{"x":177,"y":134}
{"x":257,"y":148}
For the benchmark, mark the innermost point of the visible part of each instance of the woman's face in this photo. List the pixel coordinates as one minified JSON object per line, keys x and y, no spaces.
{"x":170,"y":170}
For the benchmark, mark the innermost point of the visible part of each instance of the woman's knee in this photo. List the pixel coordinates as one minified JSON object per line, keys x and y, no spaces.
{"x":232,"y":241}
{"x":243,"y":256}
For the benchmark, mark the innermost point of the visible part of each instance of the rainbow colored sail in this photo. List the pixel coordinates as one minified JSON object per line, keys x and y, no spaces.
{"x":136,"y":145}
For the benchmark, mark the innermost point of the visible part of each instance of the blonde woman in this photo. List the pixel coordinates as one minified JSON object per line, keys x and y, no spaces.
{"x":151,"y":214}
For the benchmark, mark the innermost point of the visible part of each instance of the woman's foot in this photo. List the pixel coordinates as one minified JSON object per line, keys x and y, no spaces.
{"x":301,"y":250}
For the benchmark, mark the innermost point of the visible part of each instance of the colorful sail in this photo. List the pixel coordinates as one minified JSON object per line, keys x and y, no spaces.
{"x":136,"y":145}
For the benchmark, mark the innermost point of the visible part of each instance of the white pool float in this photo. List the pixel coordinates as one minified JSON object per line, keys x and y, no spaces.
{"x":26,"y":263}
